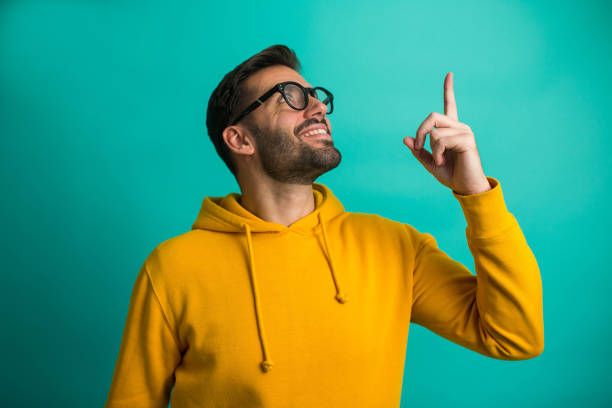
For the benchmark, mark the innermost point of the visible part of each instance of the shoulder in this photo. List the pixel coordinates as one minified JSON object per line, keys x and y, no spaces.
{"x":179,"y":253}
{"x":359,"y":219}
{"x":374,"y":223}
{"x":186,"y":242}
{"x":384,"y":230}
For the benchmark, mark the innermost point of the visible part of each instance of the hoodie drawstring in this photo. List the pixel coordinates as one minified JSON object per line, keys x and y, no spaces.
{"x":340,"y":297}
{"x":267,"y":364}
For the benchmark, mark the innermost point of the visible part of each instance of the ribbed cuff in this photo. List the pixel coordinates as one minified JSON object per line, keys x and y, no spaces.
{"x":486,"y":213}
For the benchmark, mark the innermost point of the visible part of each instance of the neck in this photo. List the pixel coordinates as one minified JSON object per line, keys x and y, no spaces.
{"x":277,"y":202}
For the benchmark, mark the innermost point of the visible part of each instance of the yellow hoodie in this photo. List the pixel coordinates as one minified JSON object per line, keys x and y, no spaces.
{"x":241,"y":312}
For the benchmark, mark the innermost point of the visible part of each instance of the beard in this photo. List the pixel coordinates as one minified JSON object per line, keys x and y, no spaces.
{"x":294,"y":162}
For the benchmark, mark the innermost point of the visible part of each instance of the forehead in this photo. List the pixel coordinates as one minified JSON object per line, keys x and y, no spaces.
{"x":265,"y":79}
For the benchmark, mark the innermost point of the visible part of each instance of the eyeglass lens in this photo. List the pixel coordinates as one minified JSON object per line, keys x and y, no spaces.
{"x":295,"y":96}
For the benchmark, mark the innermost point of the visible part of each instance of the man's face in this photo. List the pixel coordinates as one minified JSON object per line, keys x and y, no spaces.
{"x":287,"y":151}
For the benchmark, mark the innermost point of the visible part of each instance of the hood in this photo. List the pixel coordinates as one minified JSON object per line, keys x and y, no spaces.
{"x":226,"y":214}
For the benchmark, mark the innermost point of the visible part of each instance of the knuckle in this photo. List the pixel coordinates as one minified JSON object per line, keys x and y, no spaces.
{"x":469,"y":140}
{"x":437,"y":152}
{"x":435,"y":143}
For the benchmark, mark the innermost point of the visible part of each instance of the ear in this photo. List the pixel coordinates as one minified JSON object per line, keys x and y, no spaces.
{"x":238,"y":140}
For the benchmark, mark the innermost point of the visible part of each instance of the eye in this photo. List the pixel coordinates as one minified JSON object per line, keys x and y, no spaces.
{"x":281,"y":99}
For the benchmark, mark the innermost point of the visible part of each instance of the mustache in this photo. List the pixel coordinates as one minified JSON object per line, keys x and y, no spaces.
{"x":309,"y":122}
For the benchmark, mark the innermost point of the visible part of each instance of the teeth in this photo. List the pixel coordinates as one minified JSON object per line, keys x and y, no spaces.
{"x":315,"y":132}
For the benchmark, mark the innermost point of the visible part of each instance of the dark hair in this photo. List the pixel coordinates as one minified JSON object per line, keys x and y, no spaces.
{"x":228,"y":95}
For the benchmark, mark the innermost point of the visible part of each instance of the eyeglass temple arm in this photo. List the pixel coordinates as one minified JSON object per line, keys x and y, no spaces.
{"x":248,"y":110}
{"x":254,"y":105}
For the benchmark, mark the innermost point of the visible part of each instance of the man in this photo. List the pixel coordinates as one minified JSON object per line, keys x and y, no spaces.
{"x":278,"y":297}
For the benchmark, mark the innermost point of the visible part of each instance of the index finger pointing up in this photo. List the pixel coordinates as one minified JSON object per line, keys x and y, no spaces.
{"x":450,"y":107}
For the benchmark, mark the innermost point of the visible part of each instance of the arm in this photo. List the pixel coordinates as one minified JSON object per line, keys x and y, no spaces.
{"x":148,"y":355}
{"x":498,"y":312}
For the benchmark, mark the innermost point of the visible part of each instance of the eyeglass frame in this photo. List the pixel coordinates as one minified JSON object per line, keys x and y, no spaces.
{"x":280,"y":87}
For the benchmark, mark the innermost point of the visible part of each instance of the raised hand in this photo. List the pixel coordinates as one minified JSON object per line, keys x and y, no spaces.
{"x":454,"y":160}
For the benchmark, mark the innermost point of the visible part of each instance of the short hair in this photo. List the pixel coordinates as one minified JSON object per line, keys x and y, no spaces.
{"x":228,"y":95}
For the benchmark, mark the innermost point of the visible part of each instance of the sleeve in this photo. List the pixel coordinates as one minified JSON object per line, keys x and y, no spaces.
{"x":498,"y":312}
{"x":148,"y":354}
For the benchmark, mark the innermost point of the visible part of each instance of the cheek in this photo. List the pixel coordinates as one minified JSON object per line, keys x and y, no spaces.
{"x":288,"y":121}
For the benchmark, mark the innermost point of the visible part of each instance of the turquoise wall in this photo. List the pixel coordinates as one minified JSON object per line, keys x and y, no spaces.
{"x":104,"y":155}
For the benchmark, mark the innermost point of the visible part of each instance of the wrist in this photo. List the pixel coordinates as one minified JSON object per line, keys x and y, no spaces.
{"x":481,"y":188}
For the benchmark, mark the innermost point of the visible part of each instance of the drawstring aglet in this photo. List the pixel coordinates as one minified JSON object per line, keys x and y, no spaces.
{"x":266,"y":366}
{"x":342,"y":298}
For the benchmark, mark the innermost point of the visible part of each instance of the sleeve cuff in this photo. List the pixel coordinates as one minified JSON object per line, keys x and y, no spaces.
{"x":486,"y":213}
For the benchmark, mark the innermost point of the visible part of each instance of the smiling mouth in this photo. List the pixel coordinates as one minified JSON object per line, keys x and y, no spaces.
{"x":318,"y":133}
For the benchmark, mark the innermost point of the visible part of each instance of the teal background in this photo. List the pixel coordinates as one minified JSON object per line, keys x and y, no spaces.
{"x":104,"y":155}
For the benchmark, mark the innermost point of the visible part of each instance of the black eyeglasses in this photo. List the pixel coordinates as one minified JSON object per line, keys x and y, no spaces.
{"x":295,"y":95}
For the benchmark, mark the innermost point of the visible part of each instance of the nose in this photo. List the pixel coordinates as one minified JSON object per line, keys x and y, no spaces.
{"x":315,"y":107}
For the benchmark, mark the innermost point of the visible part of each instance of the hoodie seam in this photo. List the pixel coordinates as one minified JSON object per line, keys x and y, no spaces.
{"x":163,"y":312}
{"x":426,"y":242}
{"x":421,"y":247}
